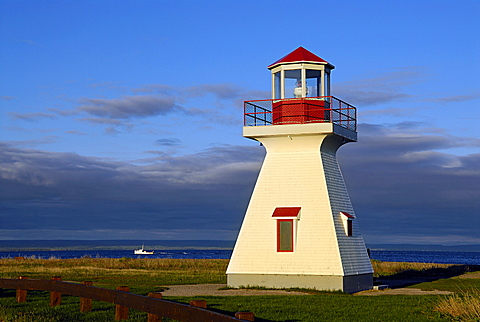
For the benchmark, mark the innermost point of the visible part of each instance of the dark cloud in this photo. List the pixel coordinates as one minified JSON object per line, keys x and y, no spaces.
{"x":31,"y":116}
{"x":221,"y":91}
{"x":76,"y":132}
{"x":207,"y":101}
{"x":28,"y":41}
{"x":64,"y":191}
{"x":384,"y":88}
{"x":457,"y":98}
{"x":101,"y":120}
{"x":63,"y":112}
{"x":225,"y":91}
{"x":157,"y":89}
{"x":48,"y":139}
{"x":168,"y":142}
{"x":7,"y":98}
{"x":402,"y":188}
{"x":111,"y":130}
{"x":129,"y":106}
{"x":392,"y":111}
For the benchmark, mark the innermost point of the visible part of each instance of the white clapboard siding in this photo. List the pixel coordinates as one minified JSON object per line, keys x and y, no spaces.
{"x":300,"y":170}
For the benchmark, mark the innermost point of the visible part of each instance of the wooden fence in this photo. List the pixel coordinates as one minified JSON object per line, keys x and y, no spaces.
{"x":153,"y":304}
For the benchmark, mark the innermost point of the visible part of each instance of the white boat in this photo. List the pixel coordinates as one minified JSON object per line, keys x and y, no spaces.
{"x":142,"y":251}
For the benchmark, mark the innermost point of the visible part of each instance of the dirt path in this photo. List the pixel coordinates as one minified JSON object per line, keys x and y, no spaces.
{"x":401,"y":291}
{"x":214,"y":290}
{"x":394,"y":286}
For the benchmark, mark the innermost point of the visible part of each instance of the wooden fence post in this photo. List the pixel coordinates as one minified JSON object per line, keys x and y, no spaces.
{"x":121,"y":312}
{"x":154,"y":317}
{"x":21,"y":295}
{"x":247,"y":316}
{"x":199,"y":303}
{"x":85,"y":302}
{"x":56,"y":297}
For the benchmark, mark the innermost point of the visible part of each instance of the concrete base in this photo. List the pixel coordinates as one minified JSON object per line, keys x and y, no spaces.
{"x":349,"y":284}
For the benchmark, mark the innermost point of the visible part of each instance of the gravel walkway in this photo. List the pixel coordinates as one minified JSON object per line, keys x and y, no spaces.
{"x":401,"y":291}
{"x":213,"y":290}
{"x":395,"y":287}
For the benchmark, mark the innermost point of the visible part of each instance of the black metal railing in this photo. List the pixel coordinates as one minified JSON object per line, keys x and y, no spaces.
{"x":324,"y":109}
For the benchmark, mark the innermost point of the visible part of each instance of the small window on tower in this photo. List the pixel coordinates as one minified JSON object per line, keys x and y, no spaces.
{"x":347,"y":220}
{"x":349,"y":228}
{"x":286,"y":221}
{"x":285,"y":235}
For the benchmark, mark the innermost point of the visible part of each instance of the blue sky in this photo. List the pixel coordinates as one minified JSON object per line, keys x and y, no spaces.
{"x":123,"y":119}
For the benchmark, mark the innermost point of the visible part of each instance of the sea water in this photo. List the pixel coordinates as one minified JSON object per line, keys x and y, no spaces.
{"x":441,"y":257}
{"x":64,"y":254}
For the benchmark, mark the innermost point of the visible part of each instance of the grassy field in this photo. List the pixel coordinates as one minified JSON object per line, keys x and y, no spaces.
{"x":149,"y":275}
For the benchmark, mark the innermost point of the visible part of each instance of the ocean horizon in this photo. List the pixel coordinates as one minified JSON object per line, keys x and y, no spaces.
{"x":211,"y":249}
{"x":439,"y":257}
{"x":130,"y":244}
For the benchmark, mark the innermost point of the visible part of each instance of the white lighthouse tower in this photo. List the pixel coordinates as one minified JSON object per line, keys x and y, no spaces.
{"x":300,"y":229}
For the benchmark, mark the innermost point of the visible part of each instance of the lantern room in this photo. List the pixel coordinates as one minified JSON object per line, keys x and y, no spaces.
{"x":301,"y":95}
{"x":300,"y":74}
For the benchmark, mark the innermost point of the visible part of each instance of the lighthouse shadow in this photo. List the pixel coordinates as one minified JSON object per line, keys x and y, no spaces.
{"x":413,"y":277}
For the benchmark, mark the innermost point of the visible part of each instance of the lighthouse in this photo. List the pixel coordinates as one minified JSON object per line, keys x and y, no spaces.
{"x":300,"y":229}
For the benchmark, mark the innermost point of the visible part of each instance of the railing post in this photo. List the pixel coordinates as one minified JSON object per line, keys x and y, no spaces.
{"x":21,"y":295}
{"x":121,"y":312}
{"x":247,"y":316}
{"x":56,"y":297}
{"x":199,"y":303}
{"x":85,"y":302}
{"x":154,"y":317}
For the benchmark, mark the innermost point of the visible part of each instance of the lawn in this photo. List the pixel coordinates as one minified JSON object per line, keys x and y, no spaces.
{"x":149,"y":275}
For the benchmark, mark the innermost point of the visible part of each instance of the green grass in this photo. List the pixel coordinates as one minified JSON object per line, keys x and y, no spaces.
{"x":311,"y":308}
{"x":37,"y":309}
{"x":142,"y":275}
{"x":148,"y":275}
{"x":328,"y":307}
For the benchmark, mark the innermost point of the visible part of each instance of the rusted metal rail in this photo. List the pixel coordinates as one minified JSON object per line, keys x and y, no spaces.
{"x":154,"y":305}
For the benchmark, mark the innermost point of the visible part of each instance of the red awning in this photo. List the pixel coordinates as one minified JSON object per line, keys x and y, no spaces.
{"x":286,"y":212}
{"x":346,"y":214}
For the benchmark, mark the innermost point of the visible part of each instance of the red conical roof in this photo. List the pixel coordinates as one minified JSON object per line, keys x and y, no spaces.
{"x":300,"y":55}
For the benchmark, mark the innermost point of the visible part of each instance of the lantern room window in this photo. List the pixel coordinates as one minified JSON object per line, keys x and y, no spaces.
{"x":314,"y":83}
{"x":277,"y":85}
{"x":299,"y":82}
{"x":326,"y":84}
{"x":293,"y":83}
